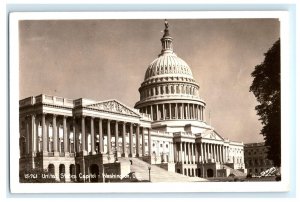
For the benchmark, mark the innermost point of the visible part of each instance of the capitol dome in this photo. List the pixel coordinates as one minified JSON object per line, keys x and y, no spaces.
{"x":169,"y":91}
{"x":168,"y":64}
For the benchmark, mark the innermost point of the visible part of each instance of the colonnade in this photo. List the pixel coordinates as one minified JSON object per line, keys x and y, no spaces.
{"x":169,"y":89}
{"x":193,"y":153}
{"x":163,"y":148}
{"x":165,"y":111}
{"x":80,"y":134}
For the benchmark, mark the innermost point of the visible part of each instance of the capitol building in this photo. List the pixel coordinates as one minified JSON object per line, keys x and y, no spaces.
{"x":166,"y":128}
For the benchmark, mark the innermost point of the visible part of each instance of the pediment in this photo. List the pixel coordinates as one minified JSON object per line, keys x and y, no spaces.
{"x":113,"y":106}
{"x":211,"y":134}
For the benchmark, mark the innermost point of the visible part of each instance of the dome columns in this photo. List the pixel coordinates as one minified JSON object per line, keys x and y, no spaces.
{"x":174,"y":111}
{"x":169,"y":89}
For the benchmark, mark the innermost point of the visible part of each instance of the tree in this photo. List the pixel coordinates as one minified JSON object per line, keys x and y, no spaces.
{"x":266,"y":89}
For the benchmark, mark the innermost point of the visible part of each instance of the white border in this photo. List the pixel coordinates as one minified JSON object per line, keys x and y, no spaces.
{"x":16,"y":187}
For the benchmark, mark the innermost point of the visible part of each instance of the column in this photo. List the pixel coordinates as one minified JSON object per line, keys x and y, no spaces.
{"x":66,"y":145}
{"x":170,"y":111}
{"x":193,"y":159}
{"x":75,"y":136}
{"x":37,"y":138}
{"x":44,"y":133}
{"x":149,"y":142}
{"x":54,"y":133}
{"x":193,"y":111}
{"x":180,"y":152}
{"x":92,"y":136}
{"x":83,"y":134}
{"x":117,"y":137}
{"x":189,"y":152}
{"x":181,"y":111}
{"x":157,"y":118}
{"x":200,"y":114}
{"x":223,"y":154}
{"x":27,"y":135}
{"x":210,"y":151}
{"x":185,"y":152}
{"x":170,"y":152}
{"x":205,"y":152}
{"x":151,"y":110}
{"x":201,"y":152}
{"x":176,"y":111}
{"x":130,"y":140}
{"x":196,"y":152}
{"x":124,"y":140}
{"x":227,"y":154}
{"x":163,"y":112}
{"x":108,"y":137}
{"x":219,"y":153}
{"x":33,"y":135}
{"x":143,"y":142}
{"x":215,"y":154}
{"x":175,"y":152}
{"x":137,"y":142}
{"x":101,"y":147}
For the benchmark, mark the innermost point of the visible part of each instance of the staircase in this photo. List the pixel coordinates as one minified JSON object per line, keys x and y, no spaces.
{"x":157,"y":174}
{"x":235,"y":172}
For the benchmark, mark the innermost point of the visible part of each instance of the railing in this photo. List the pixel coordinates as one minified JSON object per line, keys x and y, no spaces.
{"x":184,"y":134}
{"x":26,"y":101}
{"x":46,"y":99}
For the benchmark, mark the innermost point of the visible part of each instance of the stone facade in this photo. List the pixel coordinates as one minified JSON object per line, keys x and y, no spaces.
{"x":256,"y":160}
{"x":167,"y":127}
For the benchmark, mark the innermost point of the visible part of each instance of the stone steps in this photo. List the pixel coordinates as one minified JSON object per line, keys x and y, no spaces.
{"x":157,"y":174}
{"x":235,"y":172}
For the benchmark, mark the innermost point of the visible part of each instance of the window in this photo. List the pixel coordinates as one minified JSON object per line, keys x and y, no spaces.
{"x":161,"y":145}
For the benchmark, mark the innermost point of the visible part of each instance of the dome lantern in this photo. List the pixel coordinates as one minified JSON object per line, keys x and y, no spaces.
{"x":166,"y":40}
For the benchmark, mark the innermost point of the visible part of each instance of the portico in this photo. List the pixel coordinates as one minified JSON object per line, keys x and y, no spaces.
{"x":106,"y":130}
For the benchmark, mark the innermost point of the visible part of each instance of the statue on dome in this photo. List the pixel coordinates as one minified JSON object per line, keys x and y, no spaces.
{"x":166,"y":24}
{"x":166,"y":31}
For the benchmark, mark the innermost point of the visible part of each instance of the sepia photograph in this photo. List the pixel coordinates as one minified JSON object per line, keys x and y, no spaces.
{"x":141,"y":100}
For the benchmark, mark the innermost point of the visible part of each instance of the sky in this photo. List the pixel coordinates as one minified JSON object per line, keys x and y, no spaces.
{"x":107,"y":59}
